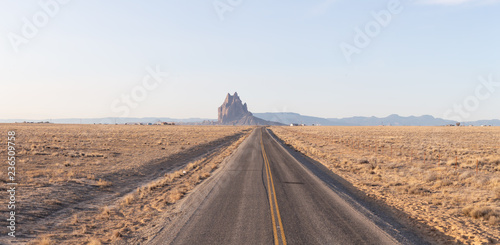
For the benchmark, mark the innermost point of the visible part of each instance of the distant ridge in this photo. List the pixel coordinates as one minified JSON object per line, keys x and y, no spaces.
{"x":393,"y":120}
{"x":290,"y":117}
{"x":494,"y":122}
{"x":110,"y":120}
{"x":281,"y":117}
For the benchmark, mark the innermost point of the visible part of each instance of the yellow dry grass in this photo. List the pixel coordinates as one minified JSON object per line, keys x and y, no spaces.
{"x":62,"y":167}
{"x":94,"y":241}
{"x":447,"y":177}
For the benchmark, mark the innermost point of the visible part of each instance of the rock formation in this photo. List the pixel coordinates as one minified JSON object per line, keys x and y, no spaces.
{"x":234,"y":112}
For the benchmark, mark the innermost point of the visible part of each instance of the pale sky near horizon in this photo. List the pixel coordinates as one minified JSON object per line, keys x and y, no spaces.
{"x":282,"y":56}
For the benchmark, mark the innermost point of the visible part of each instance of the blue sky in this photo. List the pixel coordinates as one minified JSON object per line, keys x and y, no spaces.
{"x":279,"y":56}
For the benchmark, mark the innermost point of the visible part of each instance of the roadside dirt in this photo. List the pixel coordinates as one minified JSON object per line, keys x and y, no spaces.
{"x":74,"y":178}
{"x":445,"y":178}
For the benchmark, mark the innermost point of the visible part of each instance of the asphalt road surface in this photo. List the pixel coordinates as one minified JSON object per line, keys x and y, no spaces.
{"x":264,"y":195}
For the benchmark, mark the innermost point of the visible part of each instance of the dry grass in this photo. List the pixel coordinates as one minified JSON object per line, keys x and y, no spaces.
{"x":103,"y":183}
{"x":105,"y":213}
{"x":74,"y":220}
{"x":101,"y":170}
{"x":448,"y":177}
{"x":490,"y":214}
{"x":174,"y":196}
{"x":128,"y":199}
{"x":94,"y":241}
{"x":116,"y":234}
{"x":155,"y":198}
{"x":44,"y":241}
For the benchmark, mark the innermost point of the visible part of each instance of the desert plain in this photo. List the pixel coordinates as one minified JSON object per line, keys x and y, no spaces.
{"x":445,"y":177}
{"x":97,"y":184}
{"x":107,"y":184}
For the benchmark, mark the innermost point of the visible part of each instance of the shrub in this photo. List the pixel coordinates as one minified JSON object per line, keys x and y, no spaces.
{"x":487,"y":213}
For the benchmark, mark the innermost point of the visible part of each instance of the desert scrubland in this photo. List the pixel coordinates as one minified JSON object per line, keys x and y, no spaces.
{"x":101,"y":184}
{"x":445,"y":177}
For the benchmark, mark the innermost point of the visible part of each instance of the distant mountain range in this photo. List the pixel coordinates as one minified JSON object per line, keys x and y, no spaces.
{"x":393,"y":120}
{"x":280,"y":117}
{"x":110,"y":120}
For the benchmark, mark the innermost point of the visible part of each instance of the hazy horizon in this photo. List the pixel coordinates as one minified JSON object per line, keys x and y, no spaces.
{"x":329,"y":59}
{"x":215,"y":118}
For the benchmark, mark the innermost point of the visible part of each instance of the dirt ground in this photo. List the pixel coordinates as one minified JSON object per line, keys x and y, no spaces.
{"x":96,"y":184}
{"x":107,"y":184}
{"x":445,"y":177}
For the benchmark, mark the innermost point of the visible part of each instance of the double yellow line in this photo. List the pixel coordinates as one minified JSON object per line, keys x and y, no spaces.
{"x":272,"y":198}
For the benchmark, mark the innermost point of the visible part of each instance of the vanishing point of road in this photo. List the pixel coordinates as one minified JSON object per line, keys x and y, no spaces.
{"x":266,"y":195}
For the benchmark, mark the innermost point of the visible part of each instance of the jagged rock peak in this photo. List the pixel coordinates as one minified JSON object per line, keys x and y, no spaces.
{"x":232,"y":109}
{"x":234,"y":112}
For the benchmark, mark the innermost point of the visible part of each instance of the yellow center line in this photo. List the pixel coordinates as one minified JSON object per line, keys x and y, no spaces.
{"x":275,"y":233}
{"x":277,"y":207}
{"x":271,"y":187}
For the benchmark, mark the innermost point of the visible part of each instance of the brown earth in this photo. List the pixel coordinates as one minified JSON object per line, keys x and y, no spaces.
{"x":92,"y":184}
{"x":447,"y":178}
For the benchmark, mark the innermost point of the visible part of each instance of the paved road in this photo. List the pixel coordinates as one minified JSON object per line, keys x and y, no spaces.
{"x":265,"y":196}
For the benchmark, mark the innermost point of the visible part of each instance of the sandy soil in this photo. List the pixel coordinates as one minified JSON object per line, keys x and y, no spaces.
{"x":445,"y":177}
{"x":77,"y":183}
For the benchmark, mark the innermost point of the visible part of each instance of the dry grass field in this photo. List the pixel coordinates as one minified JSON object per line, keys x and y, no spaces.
{"x":445,"y":177}
{"x":93,"y":184}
